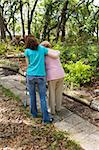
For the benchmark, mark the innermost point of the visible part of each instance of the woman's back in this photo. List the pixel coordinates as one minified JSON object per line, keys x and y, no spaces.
{"x":54,"y":68}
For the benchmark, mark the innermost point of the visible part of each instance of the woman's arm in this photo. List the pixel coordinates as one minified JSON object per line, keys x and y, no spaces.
{"x":53,"y":53}
{"x":26,"y":59}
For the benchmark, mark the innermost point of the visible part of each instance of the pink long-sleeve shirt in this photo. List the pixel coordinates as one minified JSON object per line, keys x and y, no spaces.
{"x":54,"y":68}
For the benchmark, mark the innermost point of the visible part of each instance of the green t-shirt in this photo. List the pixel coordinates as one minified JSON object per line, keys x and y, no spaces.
{"x":36,"y":59}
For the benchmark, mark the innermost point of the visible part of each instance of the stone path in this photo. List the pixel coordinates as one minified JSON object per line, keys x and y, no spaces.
{"x":83,"y":132}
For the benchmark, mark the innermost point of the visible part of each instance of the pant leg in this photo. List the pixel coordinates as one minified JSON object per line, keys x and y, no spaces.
{"x":32,"y":92}
{"x":58,"y":93}
{"x":51,"y":87}
{"x":42,"y":92}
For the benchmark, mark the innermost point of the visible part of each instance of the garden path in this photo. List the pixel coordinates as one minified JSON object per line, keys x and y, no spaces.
{"x":85,"y":133}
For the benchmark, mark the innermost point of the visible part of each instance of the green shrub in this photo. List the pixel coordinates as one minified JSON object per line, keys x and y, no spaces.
{"x":74,"y":53}
{"x":87,"y":52}
{"x":78,"y":73}
{"x":8,"y":48}
{"x":3,"y":48}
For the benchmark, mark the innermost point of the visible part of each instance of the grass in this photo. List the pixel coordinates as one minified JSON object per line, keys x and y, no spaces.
{"x":9,"y":94}
{"x":45,"y":136}
{"x":56,"y":140}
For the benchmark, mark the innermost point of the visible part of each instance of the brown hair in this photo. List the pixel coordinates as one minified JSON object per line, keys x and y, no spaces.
{"x":31,"y":42}
{"x":46,"y":44}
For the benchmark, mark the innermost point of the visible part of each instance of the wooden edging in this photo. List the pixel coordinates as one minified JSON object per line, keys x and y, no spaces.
{"x":14,"y":69}
{"x":77,"y":98}
{"x":20,"y":55}
{"x":93,"y":104}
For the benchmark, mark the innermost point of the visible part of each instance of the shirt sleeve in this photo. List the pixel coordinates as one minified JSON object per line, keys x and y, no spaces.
{"x":26,"y":53}
{"x":45,"y":50}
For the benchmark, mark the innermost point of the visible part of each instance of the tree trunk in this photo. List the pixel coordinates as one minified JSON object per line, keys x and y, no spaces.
{"x":8,"y":31}
{"x":22,"y":20}
{"x":28,"y":18}
{"x":48,"y":35}
{"x":13,"y":25}
{"x":45,"y":30}
{"x":47,"y":16}
{"x":64,"y":12}
{"x":62,"y":22}
{"x":58,"y":29}
{"x":97,"y":33}
{"x":2,"y":28}
{"x":31,"y":16}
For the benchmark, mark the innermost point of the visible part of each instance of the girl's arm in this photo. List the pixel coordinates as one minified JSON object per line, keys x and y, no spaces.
{"x":53,"y":53}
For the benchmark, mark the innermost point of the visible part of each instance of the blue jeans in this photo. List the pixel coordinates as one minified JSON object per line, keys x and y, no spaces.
{"x":41,"y":83}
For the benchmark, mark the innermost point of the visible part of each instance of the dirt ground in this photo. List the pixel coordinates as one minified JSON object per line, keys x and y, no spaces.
{"x":20,"y":131}
{"x":15,"y":127}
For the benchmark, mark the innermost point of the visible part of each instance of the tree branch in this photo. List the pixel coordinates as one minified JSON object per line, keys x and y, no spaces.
{"x":32,"y":11}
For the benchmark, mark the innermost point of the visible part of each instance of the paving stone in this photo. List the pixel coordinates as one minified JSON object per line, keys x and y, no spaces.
{"x":63,"y":125}
{"x":1,"y":73}
{"x":12,"y":84}
{"x":80,"y":130}
{"x":7,"y":84}
{"x":64,"y":113}
{"x":56,"y":119}
{"x":20,"y":87}
{"x":73,"y":119}
{"x":69,"y":122}
{"x":1,"y":70}
{"x":91,"y":142}
{"x":79,"y":136}
{"x":4,"y":77}
{"x":83,"y":127}
{"x":88,"y":146}
{"x":16,"y":91}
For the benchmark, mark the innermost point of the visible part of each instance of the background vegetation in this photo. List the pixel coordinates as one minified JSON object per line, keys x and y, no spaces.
{"x":71,"y":26}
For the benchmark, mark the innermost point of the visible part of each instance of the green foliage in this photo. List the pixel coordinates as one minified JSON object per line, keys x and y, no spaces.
{"x":3,"y":48}
{"x":6,"y":48}
{"x":8,"y":93}
{"x":78,"y":73}
{"x":57,"y":135}
{"x":86,"y":52}
{"x":80,"y":61}
{"x":19,"y":49}
{"x":71,"y":145}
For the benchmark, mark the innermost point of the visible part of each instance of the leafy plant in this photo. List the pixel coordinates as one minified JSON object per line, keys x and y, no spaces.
{"x":3,"y":48}
{"x":78,"y":73}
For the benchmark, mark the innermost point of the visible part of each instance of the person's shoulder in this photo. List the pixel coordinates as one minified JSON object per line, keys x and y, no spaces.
{"x":41,"y":47}
{"x":56,"y":51}
{"x":27,"y":49}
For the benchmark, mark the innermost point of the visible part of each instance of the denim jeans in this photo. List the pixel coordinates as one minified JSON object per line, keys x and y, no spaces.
{"x":41,"y":83}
